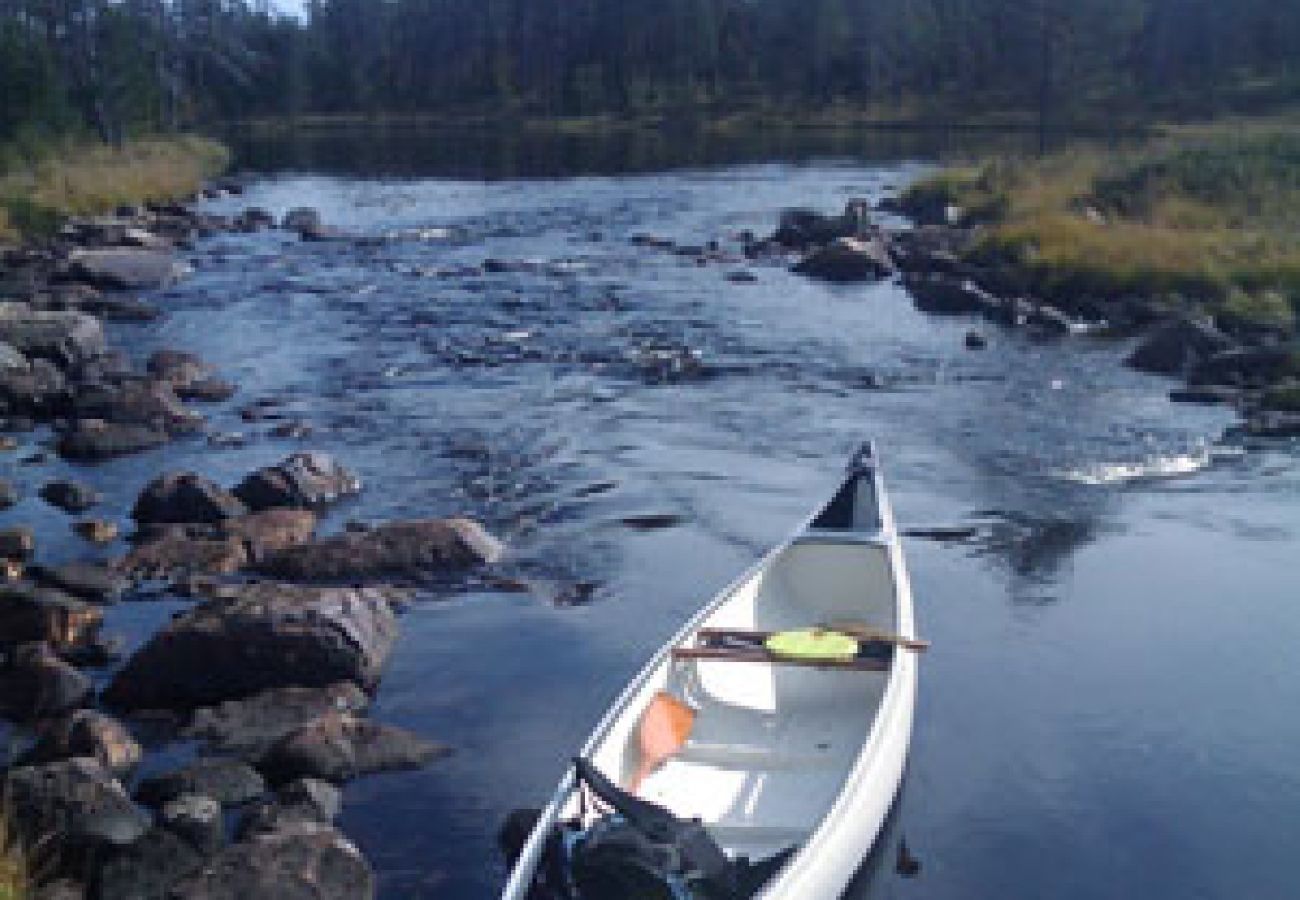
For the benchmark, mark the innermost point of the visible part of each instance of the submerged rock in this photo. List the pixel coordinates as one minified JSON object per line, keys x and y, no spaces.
{"x":338,"y":747}
{"x":94,"y":440}
{"x":249,"y":727}
{"x":261,"y":636}
{"x":397,"y":548}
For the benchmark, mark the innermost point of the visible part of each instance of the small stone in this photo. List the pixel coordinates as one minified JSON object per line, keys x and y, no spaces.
{"x":97,"y":531}
{"x":976,"y":341}
{"x":195,"y":818}
{"x":17,"y":543}
{"x":71,"y":496}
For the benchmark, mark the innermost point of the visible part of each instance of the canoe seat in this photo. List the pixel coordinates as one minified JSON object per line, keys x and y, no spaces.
{"x":754,"y":756}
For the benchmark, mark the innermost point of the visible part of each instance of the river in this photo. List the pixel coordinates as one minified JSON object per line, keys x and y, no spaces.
{"x":1110,"y":705}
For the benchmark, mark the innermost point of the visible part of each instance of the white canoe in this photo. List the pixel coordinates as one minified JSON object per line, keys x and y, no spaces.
{"x":780,"y":756}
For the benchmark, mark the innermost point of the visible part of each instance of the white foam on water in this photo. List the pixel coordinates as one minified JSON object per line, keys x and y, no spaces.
{"x":1177,"y":465}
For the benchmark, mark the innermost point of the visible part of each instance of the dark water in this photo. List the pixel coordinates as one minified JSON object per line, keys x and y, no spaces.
{"x":1111,"y":705}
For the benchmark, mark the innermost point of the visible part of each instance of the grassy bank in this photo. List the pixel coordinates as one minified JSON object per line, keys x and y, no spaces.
{"x":1208,"y":214}
{"x":15,"y":881}
{"x":36,"y":193}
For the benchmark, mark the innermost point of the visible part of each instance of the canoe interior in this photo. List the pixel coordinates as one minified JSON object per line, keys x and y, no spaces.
{"x":772,"y":745}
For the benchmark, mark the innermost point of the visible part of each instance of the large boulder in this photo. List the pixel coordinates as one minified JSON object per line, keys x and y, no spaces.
{"x":36,"y":684}
{"x":848,"y":259}
{"x":94,"y":440}
{"x":397,"y":548}
{"x":63,"y":338}
{"x":86,"y":733}
{"x":300,"y":860}
{"x":249,"y":727}
{"x":338,"y":747}
{"x":126,"y":269}
{"x":259,"y":637}
{"x":1178,"y":346}
{"x":304,"y":480}
{"x":76,"y":800}
{"x":147,"y":868}
{"x":228,"y":781}
{"x":182,"y":497}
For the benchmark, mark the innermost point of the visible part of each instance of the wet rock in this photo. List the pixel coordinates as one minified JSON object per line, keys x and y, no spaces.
{"x":137,"y":402}
{"x":97,"y":531}
{"x":975,"y":341}
{"x":94,"y":440}
{"x":9,"y":496}
{"x":254,"y":219}
{"x":71,"y":496}
{"x":398,"y":548}
{"x":304,"y":800}
{"x":36,"y":684}
{"x":1273,"y":424}
{"x":76,"y":799}
{"x":85,"y":581}
{"x":126,"y":269}
{"x":848,"y":259}
{"x":249,"y":727}
{"x":86,"y":733}
{"x":42,"y":392}
{"x":1177,"y":346}
{"x":1250,"y":367}
{"x":196,"y":819}
{"x":293,"y":431}
{"x":63,"y":338}
{"x":18,"y":542}
{"x":260,"y":637}
{"x":182,"y":497}
{"x":207,"y":390}
{"x":300,"y":219}
{"x":176,"y":553}
{"x":338,"y":747}
{"x":272,"y":530}
{"x":298,"y":861}
{"x":228,"y":781}
{"x":36,"y":613}
{"x":1207,"y":394}
{"x":946,"y":295}
{"x":177,"y":367}
{"x":321,"y":233}
{"x":742,"y":277}
{"x":303,"y":480}
{"x":148,"y":868}
{"x":801,"y":228}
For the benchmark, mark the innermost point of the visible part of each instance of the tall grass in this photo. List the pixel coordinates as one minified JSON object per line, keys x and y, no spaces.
{"x":1211,"y":214}
{"x":83,"y":180}
{"x":15,"y":873}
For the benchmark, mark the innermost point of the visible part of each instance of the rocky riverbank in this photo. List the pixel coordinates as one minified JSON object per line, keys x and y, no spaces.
{"x":1251,"y":367}
{"x":269,"y":670}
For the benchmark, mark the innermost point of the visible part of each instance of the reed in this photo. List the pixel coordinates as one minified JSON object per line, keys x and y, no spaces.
{"x":38,"y":192}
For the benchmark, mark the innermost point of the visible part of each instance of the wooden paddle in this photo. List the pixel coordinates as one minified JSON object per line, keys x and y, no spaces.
{"x":665,"y":726}
{"x":864,"y":632}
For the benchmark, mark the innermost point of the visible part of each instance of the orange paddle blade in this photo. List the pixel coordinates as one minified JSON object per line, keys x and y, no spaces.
{"x":665,"y":726}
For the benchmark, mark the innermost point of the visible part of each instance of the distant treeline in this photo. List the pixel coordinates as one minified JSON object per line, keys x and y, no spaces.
{"x":119,"y":66}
